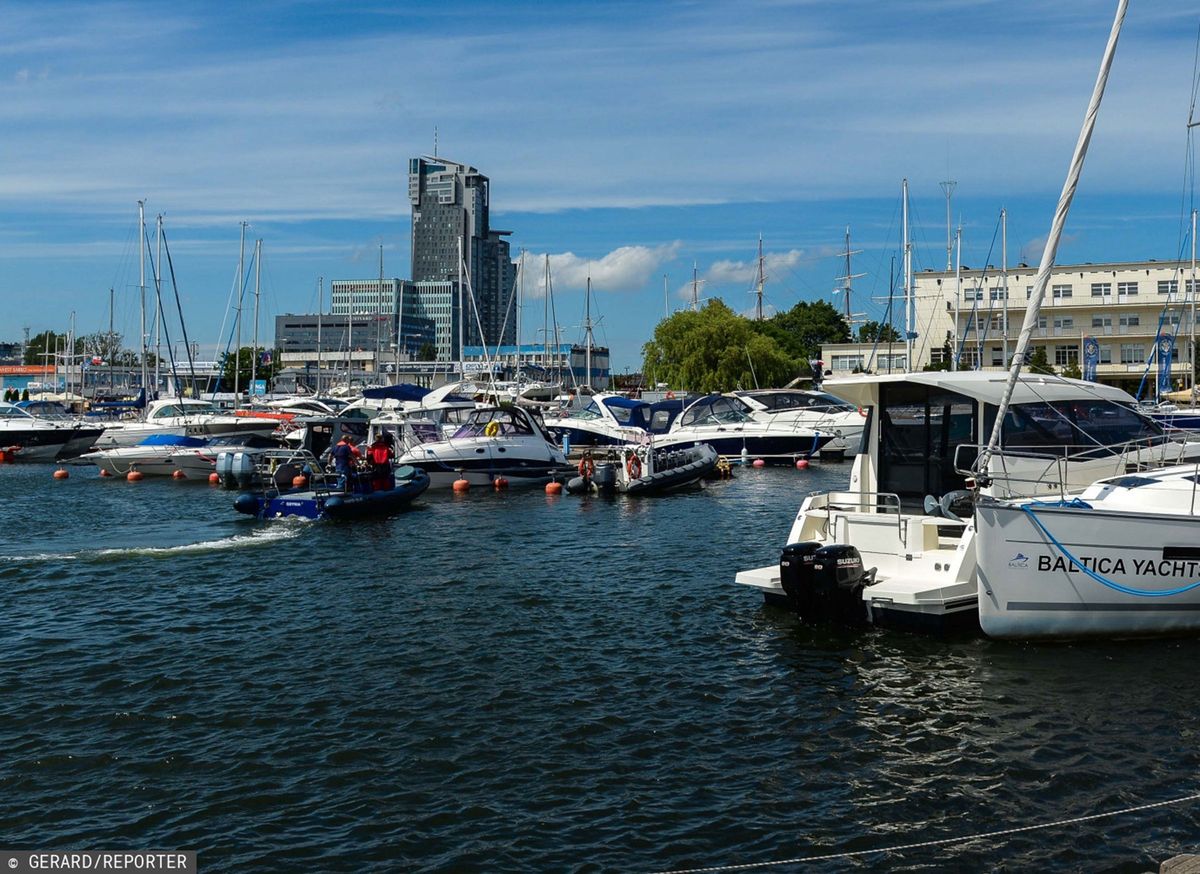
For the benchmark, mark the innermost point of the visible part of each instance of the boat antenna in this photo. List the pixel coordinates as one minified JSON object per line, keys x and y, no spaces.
{"x":1056,"y":228}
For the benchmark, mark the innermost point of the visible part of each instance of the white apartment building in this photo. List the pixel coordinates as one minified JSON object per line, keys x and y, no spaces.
{"x":1123,"y":306}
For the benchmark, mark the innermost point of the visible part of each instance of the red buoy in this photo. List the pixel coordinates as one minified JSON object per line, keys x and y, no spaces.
{"x":462,"y":485}
{"x":104,"y":472}
{"x":802,"y":464}
{"x":214,"y":478}
{"x":61,"y":473}
{"x":554,"y":488}
{"x":134,"y":476}
{"x":499,"y":483}
{"x":758,"y":462}
{"x":299,"y":481}
{"x":178,"y":474}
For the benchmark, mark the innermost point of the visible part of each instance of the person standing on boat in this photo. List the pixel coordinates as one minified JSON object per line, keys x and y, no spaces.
{"x":345,"y":454}
{"x":381,"y":455}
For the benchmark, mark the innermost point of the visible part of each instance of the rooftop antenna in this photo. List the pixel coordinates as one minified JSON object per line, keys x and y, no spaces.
{"x":435,"y":140}
{"x":948,"y":189}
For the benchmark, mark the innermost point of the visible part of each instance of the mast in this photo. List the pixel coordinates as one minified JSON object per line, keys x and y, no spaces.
{"x":948,"y":188}
{"x":695,"y":289}
{"x":666,"y":304}
{"x":849,"y":278}
{"x":1004,"y":277}
{"x":110,"y":350}
{"x":237,"y":350}
{"x":142,"y":288}
{"x":1192,"y":346}
{"x":758,"y":308}
{"x":587,"y":326}
{"x":158,"y":316}
{"x":1033,"y":310}
{"x":520,"y":306}
{"x":320,"y":308}
{"x":908,"y":303}
{"x":254,"y":342}
{"x":546,"y":320}
{"x":462,"y":370}
{"x":379,"y":311}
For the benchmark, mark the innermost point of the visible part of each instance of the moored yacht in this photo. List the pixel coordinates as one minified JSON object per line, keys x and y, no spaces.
{"x":724,"y":423}
{"x":28,"y":438}
{"x":183,"y":416}
{"x":808,"y":408}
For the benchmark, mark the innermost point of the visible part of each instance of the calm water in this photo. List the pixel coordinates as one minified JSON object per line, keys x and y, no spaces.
{"x":516,"y":683}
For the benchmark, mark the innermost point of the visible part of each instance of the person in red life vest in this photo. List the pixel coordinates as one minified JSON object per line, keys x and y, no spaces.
{"x":345,"y":453}
{"x":381,"y":455}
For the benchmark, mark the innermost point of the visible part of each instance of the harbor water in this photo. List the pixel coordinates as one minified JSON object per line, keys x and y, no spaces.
{"x":514,"y":682}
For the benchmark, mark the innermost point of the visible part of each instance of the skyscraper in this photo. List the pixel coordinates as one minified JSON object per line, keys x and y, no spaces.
{"x":450,"y":203}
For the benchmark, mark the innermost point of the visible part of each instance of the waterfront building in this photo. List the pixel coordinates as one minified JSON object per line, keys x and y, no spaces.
{"x":1122,"y":306}
{"x":450,"y":206}
{"x":563,"y":362}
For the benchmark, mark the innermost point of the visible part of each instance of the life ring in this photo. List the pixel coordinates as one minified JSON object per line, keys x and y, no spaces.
{"x":491,"y":429}
{"x":862,"y":412}
{"x":587,"y":467}
{"x":634,"y":467}
{"x":670,"y":395}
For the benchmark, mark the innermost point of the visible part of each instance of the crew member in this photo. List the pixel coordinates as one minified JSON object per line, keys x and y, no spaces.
{"x":381,"y":455}
{"x":345,"y":453}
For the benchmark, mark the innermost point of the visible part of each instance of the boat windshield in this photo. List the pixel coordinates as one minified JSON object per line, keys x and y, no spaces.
{"x":183,"y":409}
{"x":714,"y":408}
{"x":1056,"y":427}
{"x":801,"y":400}
{"x":8,"y":411}
{"x":591,"y":411}
{"x":507,"y":422}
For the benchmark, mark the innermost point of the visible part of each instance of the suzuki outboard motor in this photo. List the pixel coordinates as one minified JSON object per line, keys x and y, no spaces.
{"x":224,"y":468}
{"x":243,"y":470}
{"x":605,"y":477}
{"x":796,"y":577}
{"x":838,"y":583}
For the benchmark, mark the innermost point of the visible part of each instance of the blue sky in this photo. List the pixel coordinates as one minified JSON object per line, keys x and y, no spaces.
{"x":628,"y":140}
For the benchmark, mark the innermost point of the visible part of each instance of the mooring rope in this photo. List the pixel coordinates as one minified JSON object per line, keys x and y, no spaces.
{"x":747,"y":866}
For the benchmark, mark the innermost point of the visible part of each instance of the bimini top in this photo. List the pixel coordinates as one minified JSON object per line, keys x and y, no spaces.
{"x":982,"y":385}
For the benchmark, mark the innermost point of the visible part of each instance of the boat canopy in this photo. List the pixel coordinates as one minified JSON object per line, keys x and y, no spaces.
{"x":173,"y":440}
{"x":985,"y":386}
{"x":404,"y":391}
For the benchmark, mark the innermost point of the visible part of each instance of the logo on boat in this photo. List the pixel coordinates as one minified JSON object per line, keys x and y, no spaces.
{"x":1019,"y":560}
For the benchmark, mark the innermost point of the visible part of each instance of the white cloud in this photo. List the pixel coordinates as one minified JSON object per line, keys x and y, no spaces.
{"x":629,"y":268}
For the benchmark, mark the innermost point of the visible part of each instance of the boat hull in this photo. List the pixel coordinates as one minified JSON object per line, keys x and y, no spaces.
{"x":312,"y":504}
{"x":1030,"y":588}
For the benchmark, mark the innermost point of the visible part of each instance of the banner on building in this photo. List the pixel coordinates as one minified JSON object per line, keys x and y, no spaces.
{"x":1166,"y":351}
{"x":1091,"y":358}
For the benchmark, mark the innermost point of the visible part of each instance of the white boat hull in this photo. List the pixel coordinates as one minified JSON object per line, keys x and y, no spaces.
{"x":1029,"y":588}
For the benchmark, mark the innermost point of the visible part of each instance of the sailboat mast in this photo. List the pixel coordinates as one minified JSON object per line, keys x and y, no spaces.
{"x":158,"y":316}
{"x":1192,"y":346}
{"x":257,"y":287}
{"x":758,"y":309}
{"x":379,"y":311}
{"x":1004,"y":277}
{"x":695,"y":289}
{"x":462,"y":370}
{"x":546,"y":320}
{"x":142,"y":288}
{"x":587,"y":325}
{"x":666,"y":304}
{"x":237,"y":345}
{"x":1033,"y":310}
{"x":520,"y":306}
{"x":320,"y":309}
{"x":110,"y":350}
{"x":957,"y":300}
{"x":908,"y":302}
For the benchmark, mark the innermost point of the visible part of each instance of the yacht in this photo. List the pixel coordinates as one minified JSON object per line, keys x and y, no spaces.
{"x":29,"y":438}
{"x":809,"y":408}
{"x":184,"y":416}
{"x":504,"y":442}
{"x":614,"y":420}
{"x":907,"y":510}
{"x":724,"y":422}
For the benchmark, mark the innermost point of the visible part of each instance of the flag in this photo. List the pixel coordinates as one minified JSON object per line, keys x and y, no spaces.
{"x":265,"y":357}
{"x":1091,"y":358}
{"x":1166,"y":351}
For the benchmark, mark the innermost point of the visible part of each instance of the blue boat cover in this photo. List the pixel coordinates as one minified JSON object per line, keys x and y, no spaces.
{"x":404,"y":391}
{"x":172,"y":440}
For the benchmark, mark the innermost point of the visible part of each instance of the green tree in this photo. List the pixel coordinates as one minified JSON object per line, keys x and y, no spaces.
{"x":873,"y":331}
{"x":427,"y":352}
{"x":801,"y":331}
{"x":1037,"y":362}
{"x":945,"y":361}
{"x":1072,"y":371}
{"x":42,"y":347}
{"x":714,"y":349}
{"x":105,"y":344}
{"x":244,"y":364}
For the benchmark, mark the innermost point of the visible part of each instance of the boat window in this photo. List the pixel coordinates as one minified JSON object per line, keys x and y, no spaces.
{"x":507,"y":421}
{"x":919,"y":430}
{"x":1080,"y":425}
{"x":591,"y":411}
{"x":714,"y":409}
{"x":8,"y":411}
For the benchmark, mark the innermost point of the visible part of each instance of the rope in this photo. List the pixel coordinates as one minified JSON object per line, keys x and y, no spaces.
{"x":937,"y":843}
{"x":1077,"y":504}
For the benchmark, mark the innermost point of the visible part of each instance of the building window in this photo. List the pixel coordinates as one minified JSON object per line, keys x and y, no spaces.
{"x":1127,"y":289}
{"x":1064,"y":355}
{"x":1133,"y":353}
{"x":1060,"y":291}
{"x":997,"y":356}
{"x":1101,"y":321}
{"x":1168,"y":286}
{"x":1130,"y":320}
{"x":1041,"y":323}
{"x":1028,"y":292}
{"x":998,"y":293}
{"x":1101,"y":289}
{"x":1191,"y":285}
{"x":1064,"y":324}
{"x":1106,"y":354}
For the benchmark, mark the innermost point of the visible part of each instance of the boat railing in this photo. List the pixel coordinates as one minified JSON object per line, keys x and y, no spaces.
{"x":881,"y":503}
{"x":278,"y":468}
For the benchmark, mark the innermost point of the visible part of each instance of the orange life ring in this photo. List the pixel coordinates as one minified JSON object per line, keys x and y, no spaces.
{"x":862,"y":412}
{"x":587,"y":467}
{"x":634,"y":467}
{"x":670,"y":395}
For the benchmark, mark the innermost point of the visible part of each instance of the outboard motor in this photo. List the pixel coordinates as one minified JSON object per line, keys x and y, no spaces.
{"x":838,"y":583}
{"x":224,"y":468}
{"x":796,"y":577}
{"x":243,"y":470}
{"x":605,"y":477}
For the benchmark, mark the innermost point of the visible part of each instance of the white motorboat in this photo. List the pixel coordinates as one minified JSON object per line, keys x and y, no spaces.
{"x":24,"y":437}
{"x":197,"y":462}
{"x":86,"y":432}
{"x":494,"y":442}
{"x":724,"y":423}
{"x":154,"y":456}
{"x":614,"y":420}
{"x":184,"y":416}
{"x":907,"y":507}
{"x":1120,"y":558}
{"x":811,"y":409}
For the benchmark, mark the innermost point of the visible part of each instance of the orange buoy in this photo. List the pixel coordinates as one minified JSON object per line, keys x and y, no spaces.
{"x":61,"y":473}
{"x":178,"y":474}
{"x":801,"y":464}
{"x":214,"y":478}
{"x":5,"y":458}
{"x":462,"y":485}
{"x":554,"y":488}
{"x":758,"y":462}
{"x":499,"y":483}
{"x":299,"y":481}
{"x":104,"y":472}
{"x":134,"y":476}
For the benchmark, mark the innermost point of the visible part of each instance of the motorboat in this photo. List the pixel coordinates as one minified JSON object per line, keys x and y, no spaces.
{"x":85,"y":434}
{"x":197,"y":462}
{"x":502,"y":442}
{"x":614,"y":420}
{"x":907,"y":511}
{"x":154,"y":456}
{"x":294,"y":483}
{"x":184,"y":416}
{"x":724,"y":423}
{"x":643,"y":470}
{"x":818,"y":411}
{"x":25,"y":437}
